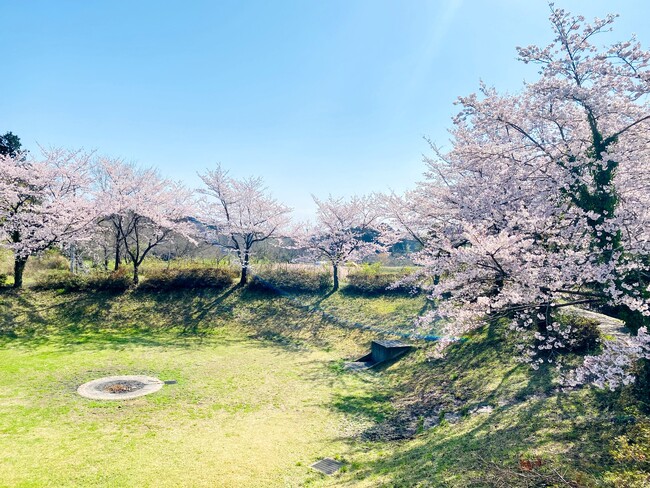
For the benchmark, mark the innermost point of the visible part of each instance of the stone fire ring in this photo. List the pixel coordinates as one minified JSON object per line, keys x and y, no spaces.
{"x":120,"y":387}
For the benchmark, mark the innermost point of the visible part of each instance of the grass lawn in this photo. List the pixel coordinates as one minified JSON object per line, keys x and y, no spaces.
{"x":261,"y":394}
{"x":245,"y":411}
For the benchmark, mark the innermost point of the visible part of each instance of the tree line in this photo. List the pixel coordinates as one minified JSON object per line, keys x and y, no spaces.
{"x":82,"y":203}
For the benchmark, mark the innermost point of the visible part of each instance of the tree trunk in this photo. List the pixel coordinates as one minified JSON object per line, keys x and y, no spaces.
{"x":117,"y":255}
{"x":244,"y":271}
{"x":136,"y":276}
{"x":73,"y":259}
{"x":19,"y":267}
{"x":336,"y":277}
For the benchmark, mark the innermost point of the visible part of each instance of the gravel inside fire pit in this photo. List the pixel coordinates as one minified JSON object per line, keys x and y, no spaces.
{"x":122,"y":386}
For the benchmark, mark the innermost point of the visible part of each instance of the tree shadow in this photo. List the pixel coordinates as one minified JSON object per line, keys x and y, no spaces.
{"x":322,"y":298}
{"x":527,"y":416}
{"x":112,"y":319}
{"x":504,"y":436}
{"x":194,"y":311}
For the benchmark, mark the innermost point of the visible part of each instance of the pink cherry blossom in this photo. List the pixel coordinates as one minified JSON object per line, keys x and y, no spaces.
{"x":43,"y":202}
{"x":542,"y":201}
{"x":239,"y":214}
{"x":340,"y":233}
{"x":142,"y":209}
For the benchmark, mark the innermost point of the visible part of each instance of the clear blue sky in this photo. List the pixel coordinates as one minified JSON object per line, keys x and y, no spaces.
{"x":316,"y":96}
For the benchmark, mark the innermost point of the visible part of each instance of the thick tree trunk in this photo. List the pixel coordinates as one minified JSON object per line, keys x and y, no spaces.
{"x":244,"y":271}
{"x":136,"y":276}
{"x":336,"y":277}
{"x":244,"y":277}
{"x":19,"y":267}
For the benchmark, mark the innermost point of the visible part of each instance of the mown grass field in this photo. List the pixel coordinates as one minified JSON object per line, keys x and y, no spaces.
{"x":261,"y":394}
{"x":245,"y":411}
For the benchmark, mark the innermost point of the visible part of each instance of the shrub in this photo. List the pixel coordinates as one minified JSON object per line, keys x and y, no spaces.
{"x":50,"y":260}
{"x":631,"y":451}
{"x":633,"y":448}
{"x":369,"y":269}
{"x":188,"y":278}
{"x":365,"y":282}
{"x":3,"y":279}
{"x":292,"y":279}
{"x":60,"y":281}
{"x":579,"y":334}
{"x":120,"y":280}
{"x":117,"y":281}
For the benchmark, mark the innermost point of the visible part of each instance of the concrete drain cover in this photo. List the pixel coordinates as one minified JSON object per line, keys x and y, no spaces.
{"x":120,"y":387}
{"x":327,"y":466}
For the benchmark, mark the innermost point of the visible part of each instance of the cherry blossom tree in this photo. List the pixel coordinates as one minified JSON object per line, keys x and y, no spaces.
{"x":43,"y":202}
{"x":411,"y":215}
{"x":100,"y":245}
{"x":143,"y":209}
{"x":342,"y":231}
{"x":546,"y":194}
{"x":239,"y":214}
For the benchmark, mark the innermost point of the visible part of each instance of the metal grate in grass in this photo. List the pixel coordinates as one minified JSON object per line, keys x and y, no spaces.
{"x":327,"y":466}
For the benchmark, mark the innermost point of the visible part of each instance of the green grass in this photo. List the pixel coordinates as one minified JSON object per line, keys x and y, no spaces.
{"x":262,"y":393}
{"x":571,"y":433}
{"x":228,"y":421}
{"x":249,"y":409}
{"x":384,"y":312}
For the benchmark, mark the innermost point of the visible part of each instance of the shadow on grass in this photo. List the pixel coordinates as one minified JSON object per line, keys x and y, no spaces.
{"x":369,"y":405}
{"x":161,"y":318}
{"x":530,"y":419}
{"x":193,"y":312}
{"x":323,"y":297}
{"x":528,"y":416}
{"x":109,"y":319}
{"x":454,"y":454}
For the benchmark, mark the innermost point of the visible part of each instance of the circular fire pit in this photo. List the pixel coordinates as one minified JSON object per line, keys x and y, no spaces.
{"x":120,"y":387}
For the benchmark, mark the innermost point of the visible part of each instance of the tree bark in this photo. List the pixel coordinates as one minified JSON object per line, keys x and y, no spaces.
{"x":336,"y":277}
{"x":73,"y":259}
{"x":244,"y":271}
{"x":19,"y":267}
{"x":117,"y":255}
{"x":136,"y":276}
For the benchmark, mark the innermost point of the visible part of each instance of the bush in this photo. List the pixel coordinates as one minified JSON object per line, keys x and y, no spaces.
{"x":368,"y":282}
{"x":292,"y":279}
{"x":187,"y":279}
{"x":579,"y":334}
{"x":3,"y":279}
{"x":49,"y":260}
{"x":60,"y":281}
{"x":120,"y":280}
{"x":117,"y":281}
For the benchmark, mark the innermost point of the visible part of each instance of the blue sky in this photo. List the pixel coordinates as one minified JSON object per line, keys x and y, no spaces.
{"x":315,"y":96}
